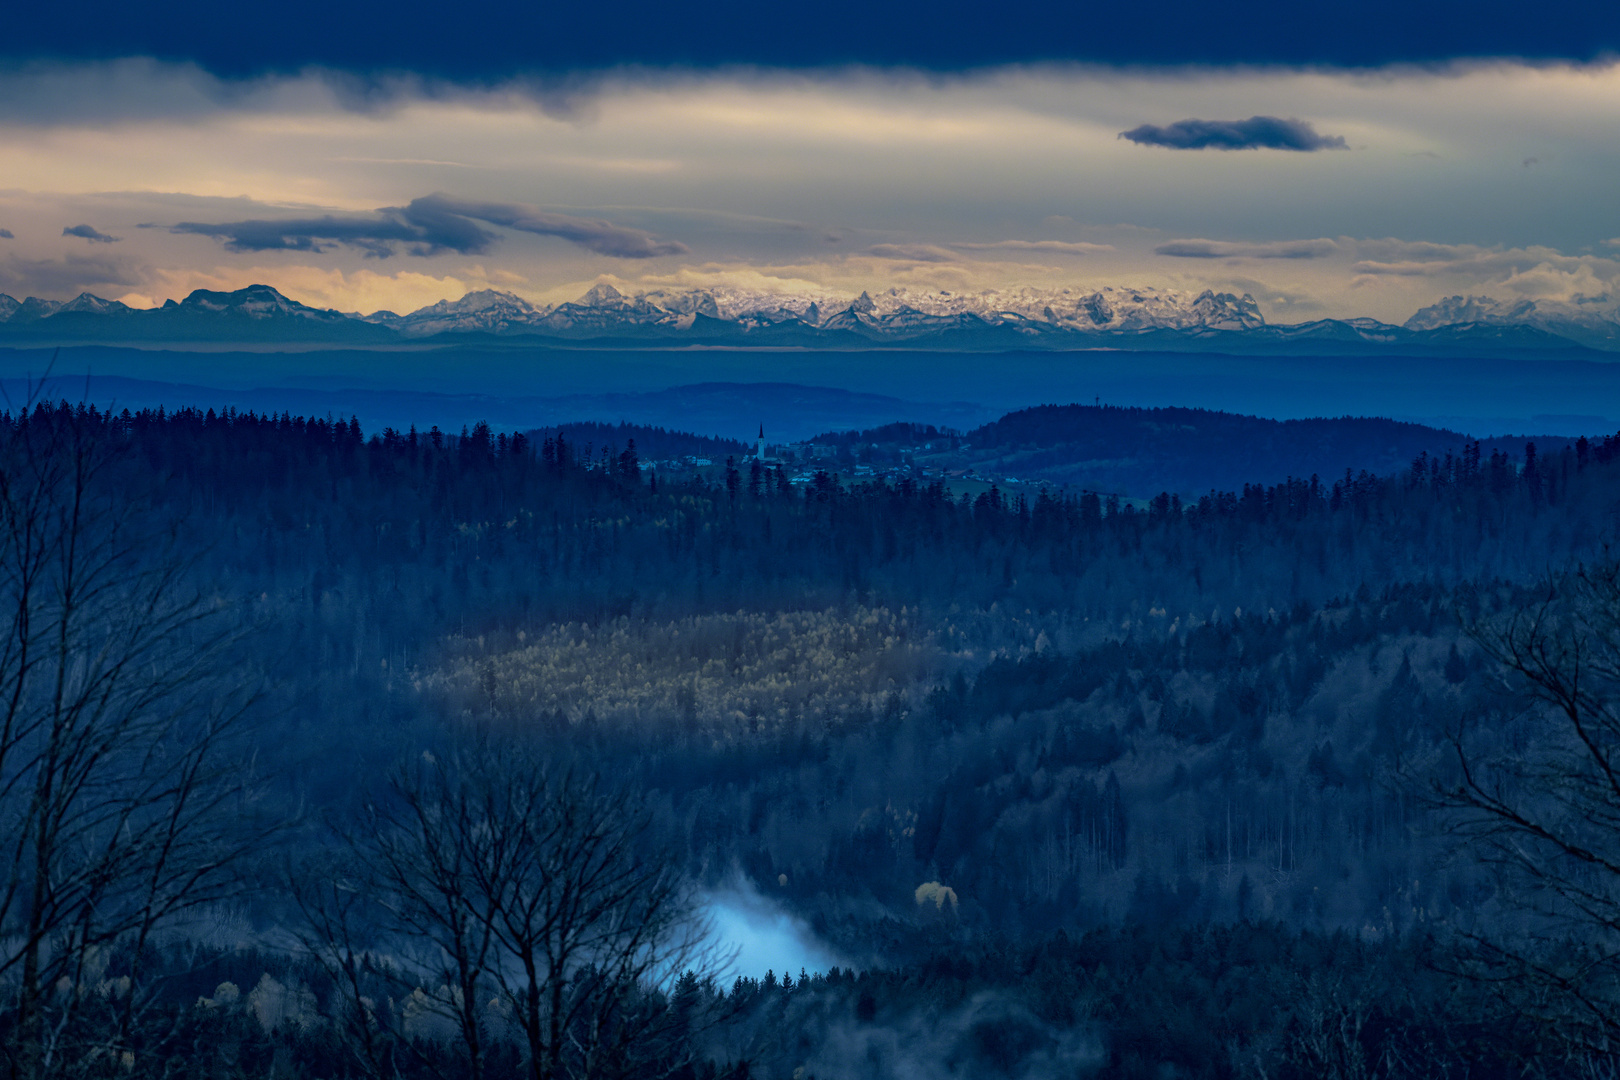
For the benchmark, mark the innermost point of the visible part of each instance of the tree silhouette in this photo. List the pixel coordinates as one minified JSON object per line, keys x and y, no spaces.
{"x":118,"y":815}
{"x":546,"y":913}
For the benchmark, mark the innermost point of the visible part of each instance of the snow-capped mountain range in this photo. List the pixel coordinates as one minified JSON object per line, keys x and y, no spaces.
{"x":1592,"y":321}
{"x":896,"y":311}
{"x":1113,"y":317}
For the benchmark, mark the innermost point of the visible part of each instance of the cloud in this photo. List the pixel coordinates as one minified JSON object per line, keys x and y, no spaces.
{"x":413,"y":35}
{"x":1534,"y":272}
{"x":379,"y":235}
{"x":913,"y":252}
{"x":1060,"y":247}
{"x":433,"y":225}
{"x":1405,"y":268}
{"x":934,"y":253}
{"x":1217,"y":249}
{"x":91,"y":233}
{"x":7,"y":234}
{"x":1388,"y":248}
{"x":1255,"y":133}
{"x":1396,"y":258}
{"x":602,"y":237}
{"x":64,"y":277}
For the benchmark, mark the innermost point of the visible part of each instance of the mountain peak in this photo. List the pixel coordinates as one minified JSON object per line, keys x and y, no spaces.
{"x":484,"y":299}
{"x":1588,"y":320}
{"x":253,"y":302}
{"x":480,"y":300}
{"x":34,"y":308}
{"x":94,"y":305}
{"x":602,"y":295}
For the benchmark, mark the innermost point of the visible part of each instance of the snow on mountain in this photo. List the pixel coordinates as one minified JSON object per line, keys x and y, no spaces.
{"x":896,"y":312}
{"x":1059,"y":317}
{"x":692,"y":302}
{"x":603,"y":296}
{"x":1074,"y":309}
{"x":33,"y":309}
{"x":604,"y":309}
{"x":1591,"y":321}
{"x":1106,"y":309}
{"x":910,"y":311}
{"x":91,"y":304}
{"x":485,"y":310}
{"x":1468,"y":309}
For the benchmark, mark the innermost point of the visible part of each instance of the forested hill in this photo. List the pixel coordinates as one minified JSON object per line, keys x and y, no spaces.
{"x":1192,"y":451}
{"x":651,"y":443}
{"x":863,"y":687}
{"x":938,"y":728}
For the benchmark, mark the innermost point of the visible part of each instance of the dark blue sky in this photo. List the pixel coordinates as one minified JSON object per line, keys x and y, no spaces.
{"x":493,"y":40}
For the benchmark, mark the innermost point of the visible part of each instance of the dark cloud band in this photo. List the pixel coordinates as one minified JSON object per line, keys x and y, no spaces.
{"x":1219,"y":249}
{"x":913,"y":253}
{"x":434,"y":225}
{"x":514,"y":36}
{"x":602,"y":237}
{"x":66,"y":276}
{"x":91,"y":233}
{"x":1255,"y":133}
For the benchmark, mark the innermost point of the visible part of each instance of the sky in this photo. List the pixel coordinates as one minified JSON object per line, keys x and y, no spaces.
{"x":1332,"y":162}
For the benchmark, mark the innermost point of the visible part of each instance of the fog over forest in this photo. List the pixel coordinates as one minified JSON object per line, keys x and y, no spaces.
{"x":606,"y":750}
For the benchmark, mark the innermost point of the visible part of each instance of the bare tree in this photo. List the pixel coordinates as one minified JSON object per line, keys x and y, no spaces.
{"x":418,"y":848}
{"x":339,"y":920}
{"x":111,"y":723}
{"x":588,"y":925}
{"x":551,"y":918}
{"x":1536,"y":794}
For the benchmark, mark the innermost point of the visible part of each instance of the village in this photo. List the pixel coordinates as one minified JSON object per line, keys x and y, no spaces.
{"x":893,"y":454}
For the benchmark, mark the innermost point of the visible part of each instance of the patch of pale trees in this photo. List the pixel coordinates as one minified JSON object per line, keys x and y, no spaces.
{"x":728,"y":672}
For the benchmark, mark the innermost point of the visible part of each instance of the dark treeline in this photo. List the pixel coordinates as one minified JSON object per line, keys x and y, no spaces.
{"x":652,"y":443}
{"x":979,"y":745}
{"x":1244,"y":1000}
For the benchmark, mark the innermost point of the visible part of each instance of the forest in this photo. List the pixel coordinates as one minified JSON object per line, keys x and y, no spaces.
{"x":333,"y":754}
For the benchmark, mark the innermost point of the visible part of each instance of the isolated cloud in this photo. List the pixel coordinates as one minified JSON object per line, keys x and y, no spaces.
{"x":1217,"y":249}
{"x":1255,"y":133}
{"x":7,"y":234}
{"x":378,"y":235}
{"x":91,"y":233}
{"x":913,"y":252}
{"x":1406,"y":268}
{"x":933,"y":253}
{"x":1058,"y":247}
{"x":432,"y":225}
{"x":1396,"y":258}
{"x":602,"y":237}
